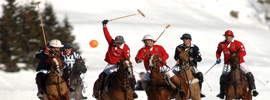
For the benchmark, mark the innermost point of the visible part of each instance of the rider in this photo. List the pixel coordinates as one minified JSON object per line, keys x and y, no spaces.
{"x":44,"y":64}
{"x":117,"y":49}
{"x":69,"y":58}
{"x":234,"y":45}
{"x":151,"y":48}
{"x":194,"y":57}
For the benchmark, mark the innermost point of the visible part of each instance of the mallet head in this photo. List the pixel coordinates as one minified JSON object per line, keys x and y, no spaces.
{"x":37,"y":3}
{"x":141,"y":12}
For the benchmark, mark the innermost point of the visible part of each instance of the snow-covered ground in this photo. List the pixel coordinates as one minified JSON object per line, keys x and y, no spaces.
{"x":205,"y":20}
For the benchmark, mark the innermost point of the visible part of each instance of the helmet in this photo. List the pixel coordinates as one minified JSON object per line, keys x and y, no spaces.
{"x":67,"y":45}
{"x":56,"y":43}
{"x":148,"y":37}
{"x":228,"y":32}
{"x":119,"y":39}
{"x":186,"y":36}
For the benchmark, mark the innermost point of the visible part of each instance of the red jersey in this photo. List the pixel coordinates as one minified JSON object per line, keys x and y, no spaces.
{"x":113,"y":54}
{"x":154,"y":50}
{"x":234,"y":46}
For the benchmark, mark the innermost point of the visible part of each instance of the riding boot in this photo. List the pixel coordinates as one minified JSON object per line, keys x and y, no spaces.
{"x":199,"y":75}
{"x":39,"y":80}
{"x":223,"y":79}
{"x":175,"y":80}
{"x":132,"y":84}
{"x":251,"y":83}
{"x":100,"y":85}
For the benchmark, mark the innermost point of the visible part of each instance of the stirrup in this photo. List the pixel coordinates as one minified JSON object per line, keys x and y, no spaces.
{"x":97,"y":96}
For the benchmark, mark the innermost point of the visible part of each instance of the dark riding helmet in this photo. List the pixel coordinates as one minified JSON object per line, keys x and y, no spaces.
{"x":186,"y":36}
{"x":119,"y":39}
{"x":67,"y":45}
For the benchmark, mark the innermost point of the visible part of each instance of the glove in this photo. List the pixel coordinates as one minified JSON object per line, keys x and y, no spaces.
{"x":104,"y":22}
{"x":47,"y":50}
{"x":218,"y":61}
{"x":190,"y":59}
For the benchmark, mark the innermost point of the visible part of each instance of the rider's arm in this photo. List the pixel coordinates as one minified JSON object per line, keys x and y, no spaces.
{"x":197,"y":55}
{"x":140,"y":55}
{"x":107,"y":35}
{"x":219,"y":50}
{"x":242,"y":52}
{"x":176,"y":54}
{"x":164,"y":54}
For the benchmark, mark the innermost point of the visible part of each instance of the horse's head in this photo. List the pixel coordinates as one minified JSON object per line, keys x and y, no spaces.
{"x":153,"y":62}
{"x":234,"y":58}
{"x":125,"y":66}
{"x":56,"y":64}
{"x":183,"y":57}
{"x":79,"y":66}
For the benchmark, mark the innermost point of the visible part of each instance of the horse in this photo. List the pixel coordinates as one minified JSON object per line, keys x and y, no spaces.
{"x":75,"y":79}
{"x":236,"y":86}
{"x":120,"y":88}
{"x":159,"y":88}
{"x":56,"y":88}
{"x":185,"y":72}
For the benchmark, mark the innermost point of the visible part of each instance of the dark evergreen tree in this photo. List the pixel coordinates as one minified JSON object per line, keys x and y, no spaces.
{"x":66,"y":34}
{"x":9,"y":31}
{"x":31,"y":39}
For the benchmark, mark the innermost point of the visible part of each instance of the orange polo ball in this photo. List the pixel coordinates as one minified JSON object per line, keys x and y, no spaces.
{"x":93,"y":43}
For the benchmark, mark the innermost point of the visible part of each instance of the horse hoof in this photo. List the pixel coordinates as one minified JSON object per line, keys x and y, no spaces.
{"x":135,"y":96}
{"x":202,"y":95}
{"x":221,"y":96}
{"x":255,"y":93}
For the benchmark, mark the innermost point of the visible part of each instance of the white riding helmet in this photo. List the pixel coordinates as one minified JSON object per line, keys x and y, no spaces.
{"x":148,"y":37}
{"x":56,"y":43}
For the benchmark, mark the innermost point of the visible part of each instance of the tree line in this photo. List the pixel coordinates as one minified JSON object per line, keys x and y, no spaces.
{"x":21,"y":35}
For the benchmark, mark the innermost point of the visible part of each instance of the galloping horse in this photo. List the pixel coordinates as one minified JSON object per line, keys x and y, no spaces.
{"x":75,"y":79}
{"x":120,"y":88}
{"x":158,"y":88}
{"x":56,"y":88}
{"x":185,"y":72}
{"x":236,"y":86}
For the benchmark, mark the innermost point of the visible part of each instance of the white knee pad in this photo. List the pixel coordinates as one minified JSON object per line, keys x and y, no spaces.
{"x":244,"y":68}
{"x":194,"y":69}
{"x":44,"y":71}
{"x":147,"y":76}
{"x":110,"y":69}
{"x":226,"y":69}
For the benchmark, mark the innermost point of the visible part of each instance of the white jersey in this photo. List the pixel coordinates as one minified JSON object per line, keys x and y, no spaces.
{"x":69,"y":59}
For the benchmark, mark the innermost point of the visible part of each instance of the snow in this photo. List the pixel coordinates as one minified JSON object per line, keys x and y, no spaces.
{"x":205,"y":20}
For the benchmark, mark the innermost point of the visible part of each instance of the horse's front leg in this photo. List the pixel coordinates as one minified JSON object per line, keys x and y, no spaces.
{"x":66,"y":96}
{"x":228,"y":98}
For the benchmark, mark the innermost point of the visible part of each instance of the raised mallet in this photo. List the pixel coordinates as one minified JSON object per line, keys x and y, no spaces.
{"x":37,"y":3}
{"x":140,"y":12}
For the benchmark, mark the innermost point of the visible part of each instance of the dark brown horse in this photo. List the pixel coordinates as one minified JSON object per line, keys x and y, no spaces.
{"x":120,"y":88}
{"x":185,"y":72}
{"x":75,"y":79}
{"x":236,"y":86}
{"x":56,"y":88}
{"x":158,"y":88}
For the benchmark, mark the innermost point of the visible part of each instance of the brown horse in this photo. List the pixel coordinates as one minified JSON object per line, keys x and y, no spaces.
{"x":159,"y":89}
{"x":120,"y":88}
{"x":75,"y":79}
{"x":185,"y":72}
{"x":236,"y":86}
{"x":56,"y":88}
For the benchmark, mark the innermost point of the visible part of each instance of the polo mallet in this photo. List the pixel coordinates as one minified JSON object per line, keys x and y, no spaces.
{"x":37,"y":3}
{"x":209,"y":69}
{"x":261,"y":81}
{"x":140,"y":12}
{"x":157,"y":39}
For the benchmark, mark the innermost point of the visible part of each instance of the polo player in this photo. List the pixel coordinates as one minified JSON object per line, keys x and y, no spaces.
{"x":234,"y":45}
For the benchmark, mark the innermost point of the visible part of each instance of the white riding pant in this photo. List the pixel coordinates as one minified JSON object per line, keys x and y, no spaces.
{"x":110,"y":69}
{"x":192,"y":68}
{"x":44,"y":71}
{"x":163,"y":68}
{"x":227,"y":68}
